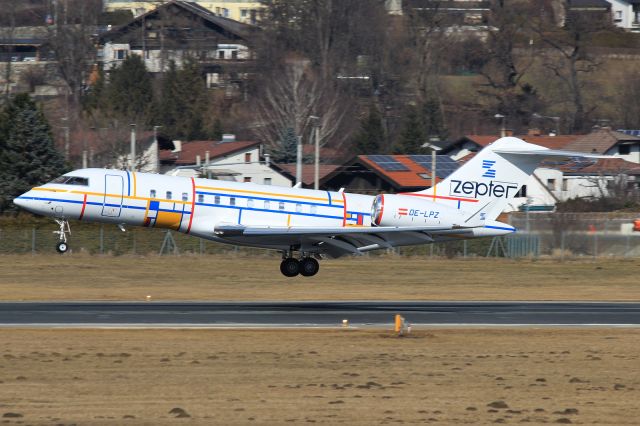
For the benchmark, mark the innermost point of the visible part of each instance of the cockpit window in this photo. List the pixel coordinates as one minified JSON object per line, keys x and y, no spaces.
{"x":71,"y":180}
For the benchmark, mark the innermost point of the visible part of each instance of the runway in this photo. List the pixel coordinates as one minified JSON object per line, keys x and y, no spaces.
{"x":315,"y":314}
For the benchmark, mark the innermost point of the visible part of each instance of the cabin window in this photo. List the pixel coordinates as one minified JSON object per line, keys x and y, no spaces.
{"x":152,"y":193}
{"x":216,"y":199}
{"x":281,"y":205}
{"x":247,"y":179}
{"x":185,"y":196}
{"x":232,"y":201}
{"x":250,"y":202}
{"x":168,"y":197}
{"x":200,"y":198}
{"x":299,"y":208}
{"x":267,"y":205}
{"x":624,"y":149}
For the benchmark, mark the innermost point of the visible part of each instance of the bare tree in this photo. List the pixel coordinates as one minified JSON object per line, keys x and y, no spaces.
{"x":571,"y":59}
{"x":293,"y":95}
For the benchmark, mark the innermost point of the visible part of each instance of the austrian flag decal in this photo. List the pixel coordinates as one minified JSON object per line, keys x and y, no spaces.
{"x":402,"y":211}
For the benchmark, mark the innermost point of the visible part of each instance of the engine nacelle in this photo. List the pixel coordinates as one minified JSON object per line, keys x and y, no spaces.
{"x":406,"y":210}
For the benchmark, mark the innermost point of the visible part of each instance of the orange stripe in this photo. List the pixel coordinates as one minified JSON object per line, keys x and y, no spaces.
{"x":440,"y":197}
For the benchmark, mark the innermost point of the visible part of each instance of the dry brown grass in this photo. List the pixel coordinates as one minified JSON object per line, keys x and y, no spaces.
{"x":312,"y":376}
{"x":83,"y":277}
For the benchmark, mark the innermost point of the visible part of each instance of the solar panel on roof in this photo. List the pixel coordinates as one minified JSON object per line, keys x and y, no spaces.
{"x":445,"y":165}
{"x":388,"y":163}
{"x":630,"y":132}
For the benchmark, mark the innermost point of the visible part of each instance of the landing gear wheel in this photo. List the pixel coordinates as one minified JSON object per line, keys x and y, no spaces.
{"x":62,"y":247}
{"x":290,"y":267}
{"x":309,"y":267}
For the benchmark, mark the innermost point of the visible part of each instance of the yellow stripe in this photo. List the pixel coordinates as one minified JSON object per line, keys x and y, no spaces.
{"x":135,"y":191}
{"x":288,"y":220}
{"x":244,"y":191}
{"x":49,"y":189}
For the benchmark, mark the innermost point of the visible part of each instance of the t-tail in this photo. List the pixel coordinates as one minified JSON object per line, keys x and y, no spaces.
{"x":487,"y":183}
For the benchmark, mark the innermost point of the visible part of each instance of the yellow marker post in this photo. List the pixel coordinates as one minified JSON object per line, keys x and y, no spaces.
{"x":399,"y":323}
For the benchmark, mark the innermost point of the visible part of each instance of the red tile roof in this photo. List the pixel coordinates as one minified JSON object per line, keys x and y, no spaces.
{"x":216,"y":149}
{"x":551,"y":142}
{"x":607,"y":166}
{"x":402,"y":179}
{"x":599,"y":141}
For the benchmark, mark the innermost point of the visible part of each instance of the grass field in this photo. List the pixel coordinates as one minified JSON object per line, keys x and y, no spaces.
{"x":84,"y":277}
{"x":314,"y":376}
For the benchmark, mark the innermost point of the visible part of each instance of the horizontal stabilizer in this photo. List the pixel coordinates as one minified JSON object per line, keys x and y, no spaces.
{"x":550,"y":153}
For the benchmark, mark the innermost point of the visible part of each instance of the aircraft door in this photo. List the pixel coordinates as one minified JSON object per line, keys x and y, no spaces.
{"x":113,"y":192}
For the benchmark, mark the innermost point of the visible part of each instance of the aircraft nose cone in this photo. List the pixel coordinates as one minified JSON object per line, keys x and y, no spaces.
{"x":20,"y":202}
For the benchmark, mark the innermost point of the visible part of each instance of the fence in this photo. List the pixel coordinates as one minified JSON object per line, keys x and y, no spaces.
{"x":561,"y":236}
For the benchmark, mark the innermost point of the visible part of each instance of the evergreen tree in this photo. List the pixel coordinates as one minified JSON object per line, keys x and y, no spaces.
{"x":29,"y":157}
{"x":370,"y":139}
{"x":129,"y":93}
{"x":412,"y":136}
{"x":287,"y":149}
{"x":432,"y":119}
{"x":192,"y":101}
{"x":167,"y":105}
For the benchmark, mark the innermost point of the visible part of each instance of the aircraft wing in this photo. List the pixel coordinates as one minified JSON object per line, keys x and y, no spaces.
{"x":337,"y":241}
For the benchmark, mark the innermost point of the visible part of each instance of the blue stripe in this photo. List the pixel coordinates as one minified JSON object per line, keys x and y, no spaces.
{"x":500,"y":227}
{"x":269,"y":211}
{"x":329,"y":196}
{"x":128,"y":183}
{"x":239,"y":216}
{"x":269,"y":199}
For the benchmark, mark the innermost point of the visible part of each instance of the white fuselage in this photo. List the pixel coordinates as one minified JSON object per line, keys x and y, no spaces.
{"x":197,"y":206}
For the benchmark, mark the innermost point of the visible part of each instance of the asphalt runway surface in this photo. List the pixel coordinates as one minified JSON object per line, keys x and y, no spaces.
{"x":315,"y":314}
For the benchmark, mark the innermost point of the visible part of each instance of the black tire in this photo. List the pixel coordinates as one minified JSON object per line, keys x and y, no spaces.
{"x":62,"y":247}
{"x":309,"y":267}
{"x":290,"y":267}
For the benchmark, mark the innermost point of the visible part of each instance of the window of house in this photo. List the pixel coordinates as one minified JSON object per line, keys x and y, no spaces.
{"x":267,"y":205}
{"x":232,"y":201}
{"x":624,"y":149}
{"x":216,"y":199}
{"x":169,"y":194}
{"x":152,"y":193}
{"x":200,"y":198}
{"x":243,"y":13}
{"x":565,"y":184}
{"x":120,"y":54}
{"x":234,"y":54}
{"x":267,"y":181}
{"x":247,"y":179}
{"x":247,"y":157}
{"x":221,"y":54}
{"x":185,"y":196}
{"x":281,"y":205}
{"x":551,"y":184}
{"x":617,"y":17}
{"x":522,"y":192}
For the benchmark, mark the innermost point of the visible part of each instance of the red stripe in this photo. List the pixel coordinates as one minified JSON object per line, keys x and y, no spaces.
{"x":381,"y":209}
{"x":84,"y":204}
{"x":344,"y":215}
{"x":193,"y":203}
{"x":439,"y":196}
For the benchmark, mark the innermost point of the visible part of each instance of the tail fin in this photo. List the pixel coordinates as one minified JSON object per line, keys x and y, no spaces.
{"x":489,"y":181}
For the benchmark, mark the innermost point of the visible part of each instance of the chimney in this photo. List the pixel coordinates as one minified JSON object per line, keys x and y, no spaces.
{"x":177,"y":146}
{"x":508,"y":132}
{"x":267,"y":160}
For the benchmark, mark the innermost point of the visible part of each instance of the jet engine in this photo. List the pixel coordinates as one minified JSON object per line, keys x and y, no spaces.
{"x":407,"y":210}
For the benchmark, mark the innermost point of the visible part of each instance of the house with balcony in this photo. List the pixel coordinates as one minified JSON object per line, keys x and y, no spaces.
{"x":180,"y":29}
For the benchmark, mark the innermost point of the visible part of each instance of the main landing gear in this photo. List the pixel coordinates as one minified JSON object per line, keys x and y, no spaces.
{"x":306,"y":266}
{"x":62,"y":245}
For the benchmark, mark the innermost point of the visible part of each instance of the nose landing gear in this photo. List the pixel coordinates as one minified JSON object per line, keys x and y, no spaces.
{"x":65,"y":229}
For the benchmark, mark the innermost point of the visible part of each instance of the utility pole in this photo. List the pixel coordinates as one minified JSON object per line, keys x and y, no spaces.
{"x":132,"y":163}
{"x":299,"y":160}
{"x":316,"y":136}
